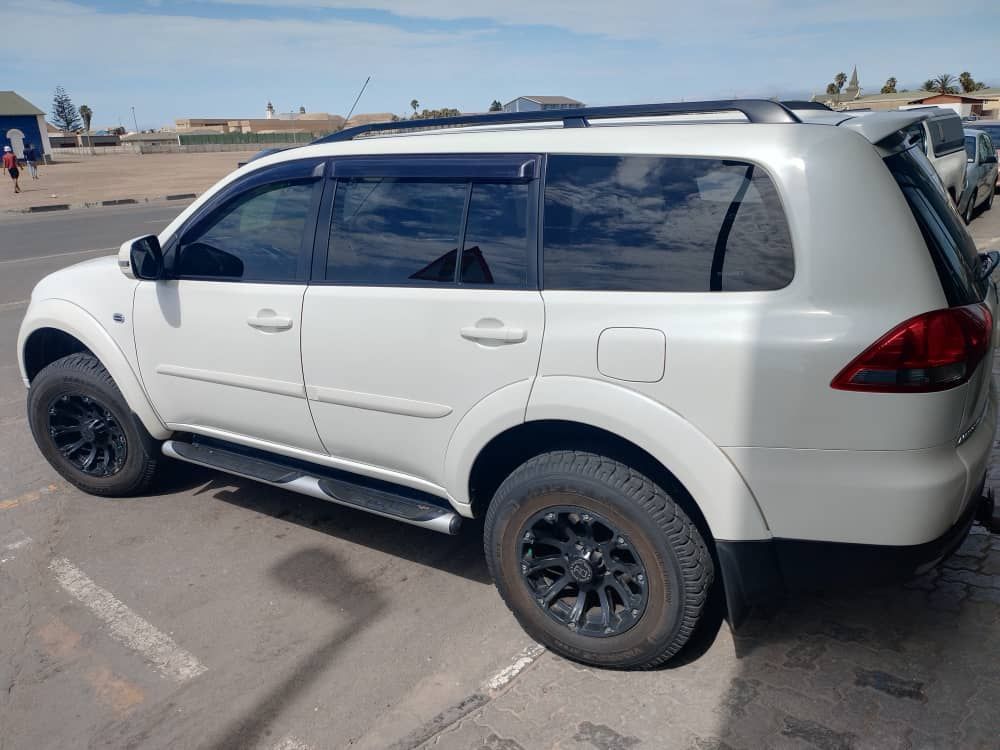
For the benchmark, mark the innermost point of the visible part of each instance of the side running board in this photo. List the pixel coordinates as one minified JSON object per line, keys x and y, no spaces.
{"x":273,"y":471}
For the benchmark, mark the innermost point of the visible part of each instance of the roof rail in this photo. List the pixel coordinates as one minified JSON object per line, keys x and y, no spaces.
{"x":755,"y":110}
{"x":802,"y":104}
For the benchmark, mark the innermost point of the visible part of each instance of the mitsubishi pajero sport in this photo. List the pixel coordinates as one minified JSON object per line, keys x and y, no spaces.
{"x":636,"y":341}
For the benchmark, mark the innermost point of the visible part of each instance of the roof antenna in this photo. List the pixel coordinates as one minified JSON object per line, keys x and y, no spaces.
{"x":357,"y":98}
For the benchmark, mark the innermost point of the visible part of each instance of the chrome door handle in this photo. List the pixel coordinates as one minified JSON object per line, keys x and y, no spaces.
{"x":269,"y":322}
{"x":503,"y":335}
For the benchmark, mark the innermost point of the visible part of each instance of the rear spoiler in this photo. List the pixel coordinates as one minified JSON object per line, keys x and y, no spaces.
{"x":878,"y":126}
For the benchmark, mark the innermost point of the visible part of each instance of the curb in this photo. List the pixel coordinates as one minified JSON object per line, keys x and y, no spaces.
{"x":47,"y":207}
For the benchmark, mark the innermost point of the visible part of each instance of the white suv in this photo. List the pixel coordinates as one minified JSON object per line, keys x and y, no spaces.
{"x":635,"y":340}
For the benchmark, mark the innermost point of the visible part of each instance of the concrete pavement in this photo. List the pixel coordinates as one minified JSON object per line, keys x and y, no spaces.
{"x":221,"y":613}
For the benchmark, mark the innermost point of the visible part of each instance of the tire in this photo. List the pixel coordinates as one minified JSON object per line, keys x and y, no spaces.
{"x":654,"y":554}
{"x":76,"y":390}
{"x":970,"y":210}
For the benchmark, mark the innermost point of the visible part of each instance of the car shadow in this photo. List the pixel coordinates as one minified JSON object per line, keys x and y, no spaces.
{"x":318,"y":573}
{"x":460,"y":555}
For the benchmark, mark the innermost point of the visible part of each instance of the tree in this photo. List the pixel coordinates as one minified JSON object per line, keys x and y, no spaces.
{"x":831,"y":89}
{"x":970,"y":84}
{"x":87,"y":114}
{"x":414,"y":105}
{"x":944,"y":83}
{"x":840,"y":79}
{"x":890,"y":86}
{"x":64,"y":114}
{"x":496,"y":106}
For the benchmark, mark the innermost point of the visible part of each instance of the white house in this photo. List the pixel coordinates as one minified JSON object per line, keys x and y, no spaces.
{"x":536,"y":103}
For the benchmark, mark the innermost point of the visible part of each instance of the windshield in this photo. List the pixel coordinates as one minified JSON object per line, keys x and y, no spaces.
{"x":970,"y":147}
{"x":955,"y":256}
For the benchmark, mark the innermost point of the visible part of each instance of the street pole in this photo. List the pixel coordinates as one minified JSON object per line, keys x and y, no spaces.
{"x":138,"y":140}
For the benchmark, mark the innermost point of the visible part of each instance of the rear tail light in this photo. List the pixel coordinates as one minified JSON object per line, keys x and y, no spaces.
{"x":931,"y":352}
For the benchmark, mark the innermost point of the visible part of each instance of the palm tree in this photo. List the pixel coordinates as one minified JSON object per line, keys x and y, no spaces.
{"x":943,"y":84}
{"x":840,"y":79}
{"x":414,"y":105}
{"x":87,"y":114}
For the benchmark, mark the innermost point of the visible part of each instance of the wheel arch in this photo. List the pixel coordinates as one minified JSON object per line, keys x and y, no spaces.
{"x":568,"y":409}
{"x":54,"y":328}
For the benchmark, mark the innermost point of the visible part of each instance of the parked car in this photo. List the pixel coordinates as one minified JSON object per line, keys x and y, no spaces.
{"x":943,"y":141}
{"x":628,"y":340}
{"x":980,"y":174}
{"x":991,"y":127}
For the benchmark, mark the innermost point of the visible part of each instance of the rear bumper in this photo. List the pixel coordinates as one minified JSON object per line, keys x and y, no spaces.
{"x":757,"y":572}
{"x":896,"y":498}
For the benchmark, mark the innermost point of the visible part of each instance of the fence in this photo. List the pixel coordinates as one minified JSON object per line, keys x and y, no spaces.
{"x":245,"y":139}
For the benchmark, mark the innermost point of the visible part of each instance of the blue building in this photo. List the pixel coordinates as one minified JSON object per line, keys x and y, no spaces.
{"x":22,"y":122}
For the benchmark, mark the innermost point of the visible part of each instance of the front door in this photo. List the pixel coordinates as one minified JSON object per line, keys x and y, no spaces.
{"x":427,"y":304}
{"x":218,"y":343}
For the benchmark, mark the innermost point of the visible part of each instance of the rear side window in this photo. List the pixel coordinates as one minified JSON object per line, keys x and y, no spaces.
{"x":395,"y":232}
{"x":952,"y":249}
{"x":405,"y":232}
{"x":946,"y":134}
{"x":663,"y":224}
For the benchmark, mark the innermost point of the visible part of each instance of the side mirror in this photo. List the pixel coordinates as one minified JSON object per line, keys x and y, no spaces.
{"x":990,"y":159}
{"x":141,"y":258}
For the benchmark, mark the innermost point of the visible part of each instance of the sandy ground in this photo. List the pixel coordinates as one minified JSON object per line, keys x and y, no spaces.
{"x":91,"y":179}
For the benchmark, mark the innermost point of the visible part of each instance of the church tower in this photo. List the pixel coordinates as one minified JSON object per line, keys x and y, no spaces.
{"x":853,"y":90}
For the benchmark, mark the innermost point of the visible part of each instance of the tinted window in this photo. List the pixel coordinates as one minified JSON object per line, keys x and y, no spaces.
{"x":640,"y":223}
{"x":496,"y":237}
{"x":946,"y":134}
{"x":952,"y":249}
{"x":390,"y":231}
{"x":256,"y":236}
{"x":993,"y":130}
{"x":970,"y":147}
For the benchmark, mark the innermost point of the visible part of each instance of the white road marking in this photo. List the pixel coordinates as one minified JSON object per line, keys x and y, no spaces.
{"x":14,"y":305}
{"x":126,"y":626}
{"x":291,"y":743}
{"x":33,"y":258}
{"x":18,"y":543}
{"x":521,"y":662}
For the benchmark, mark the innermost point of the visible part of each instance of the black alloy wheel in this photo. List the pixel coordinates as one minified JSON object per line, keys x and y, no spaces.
{"x":85,"y":429}
{"x":583,"y":572}
{"x":87,"y":434}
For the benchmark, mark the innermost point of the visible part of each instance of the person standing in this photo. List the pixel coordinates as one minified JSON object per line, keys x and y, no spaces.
{"x":31,"y":159}
{"x":10,"y":164}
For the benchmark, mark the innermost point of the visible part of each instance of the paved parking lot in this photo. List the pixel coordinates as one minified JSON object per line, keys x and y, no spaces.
{"x":224,"y":614}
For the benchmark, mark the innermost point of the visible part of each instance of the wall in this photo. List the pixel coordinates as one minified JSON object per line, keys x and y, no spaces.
{"x":522,"y":105}
{"x":27,"y":124}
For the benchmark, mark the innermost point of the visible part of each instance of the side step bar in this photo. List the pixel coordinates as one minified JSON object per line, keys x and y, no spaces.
{"x":381,"y":502}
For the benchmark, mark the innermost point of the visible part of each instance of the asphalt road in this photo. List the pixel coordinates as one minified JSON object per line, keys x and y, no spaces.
{"x":226,"y":614}
{"x":310,"y":621}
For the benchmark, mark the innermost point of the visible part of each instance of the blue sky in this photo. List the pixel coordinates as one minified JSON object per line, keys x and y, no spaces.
{"x":188,"y":58}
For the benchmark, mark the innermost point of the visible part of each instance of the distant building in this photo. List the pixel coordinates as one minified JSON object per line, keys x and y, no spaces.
{"x":316,"y":123}
{"x":983,"y":103}
{"x":22,"y":122}
{"x":537,"y":103}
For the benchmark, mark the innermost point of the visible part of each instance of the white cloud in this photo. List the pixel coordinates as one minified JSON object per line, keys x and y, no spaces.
{"x":651,"y":19}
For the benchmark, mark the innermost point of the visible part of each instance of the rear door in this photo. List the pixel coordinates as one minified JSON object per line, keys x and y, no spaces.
{"x":425,"y":303}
